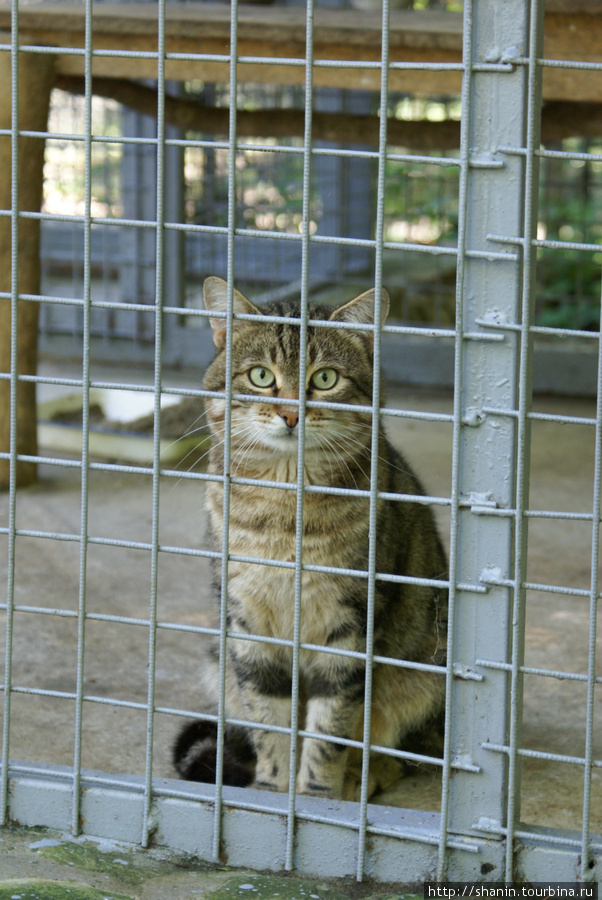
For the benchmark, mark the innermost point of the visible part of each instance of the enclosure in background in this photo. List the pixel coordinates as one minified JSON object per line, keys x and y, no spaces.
{"x":420,"y":207}
{"x":490,"y":247}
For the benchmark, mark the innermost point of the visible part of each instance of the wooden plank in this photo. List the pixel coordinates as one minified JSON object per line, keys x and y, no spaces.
{"x":279,"y":33}
{"x":420,"y":83}
{"x":559,"y":120}
{"x":576,"y":37}
{"x":260,"y":24}
{"x":274,"y":32}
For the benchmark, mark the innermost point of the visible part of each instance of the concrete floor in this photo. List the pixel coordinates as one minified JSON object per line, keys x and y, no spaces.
{"x":38,"y":864}
{"x":120,"y":507}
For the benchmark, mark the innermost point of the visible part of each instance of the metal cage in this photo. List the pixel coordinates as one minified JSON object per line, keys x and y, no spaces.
{"x":476,"y":833}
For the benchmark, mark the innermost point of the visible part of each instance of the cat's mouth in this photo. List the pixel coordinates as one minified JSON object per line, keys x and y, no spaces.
{"x":286,"y":439}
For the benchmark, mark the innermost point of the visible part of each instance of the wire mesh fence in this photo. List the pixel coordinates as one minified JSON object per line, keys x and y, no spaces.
{"x":108,"y":571}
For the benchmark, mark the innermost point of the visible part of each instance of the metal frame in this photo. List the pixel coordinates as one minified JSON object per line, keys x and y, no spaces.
{"x":476,"y":835}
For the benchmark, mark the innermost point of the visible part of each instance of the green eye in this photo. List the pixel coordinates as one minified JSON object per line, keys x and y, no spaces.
{"x":324,"y":379}
{"x":261,"y":377}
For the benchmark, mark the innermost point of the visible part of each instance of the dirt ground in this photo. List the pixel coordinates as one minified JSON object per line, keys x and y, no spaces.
{"x":119,"y":584}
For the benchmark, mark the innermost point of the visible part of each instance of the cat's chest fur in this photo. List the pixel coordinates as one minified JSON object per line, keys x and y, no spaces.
{"x":262,"y":525}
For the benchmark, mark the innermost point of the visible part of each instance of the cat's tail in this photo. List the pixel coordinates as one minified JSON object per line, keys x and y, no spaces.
{"x":195,"y":754}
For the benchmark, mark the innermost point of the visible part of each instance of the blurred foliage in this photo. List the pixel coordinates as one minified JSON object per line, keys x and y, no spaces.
{"x":568,"y":282}
{"x":421,"y":207}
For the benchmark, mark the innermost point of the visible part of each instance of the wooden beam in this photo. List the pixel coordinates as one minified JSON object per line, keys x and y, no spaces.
{"x":278,"y":33}
{"x":267,"y":26}
{"x":559,"y":119}
{"x":189,"y":115}
{"x":35,"y":81}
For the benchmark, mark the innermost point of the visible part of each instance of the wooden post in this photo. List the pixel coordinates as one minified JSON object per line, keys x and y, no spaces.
{"x":36,"y":75}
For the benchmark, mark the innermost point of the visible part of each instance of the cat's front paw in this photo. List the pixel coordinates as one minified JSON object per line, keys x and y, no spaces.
{"x":384,"y":774}
{"x":268,"y":786}
{"x":318,"y":788}
{"x":320,"y":792}
{"x":272,"y":774}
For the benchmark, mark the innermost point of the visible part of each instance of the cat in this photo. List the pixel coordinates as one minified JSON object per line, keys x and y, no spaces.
{"x":407,"y":704}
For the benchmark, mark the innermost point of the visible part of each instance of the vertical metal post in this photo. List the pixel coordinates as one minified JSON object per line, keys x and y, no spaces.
{"x":307,"y":173}
{"x":221,"y":708}
{"x":12,"y":511}
{"x":494,"y":375}
{"x":83,"y":556}
{"x":587,"y":870}
{"x":374,"y":455}
{"x":457,"y":431}
{"x":147,"y":823}
{"x":525,"y":388}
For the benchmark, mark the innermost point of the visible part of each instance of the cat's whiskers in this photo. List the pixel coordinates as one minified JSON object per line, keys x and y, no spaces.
{"x":215,"y":444}
{"x":244,"y":451}
{"x":366,"y":450}
{"x":390,"y":463}
{"x":324,"y":442}
{"x":330,"y":444}
{"x":343,"y":438}
{"x":194,"y":428}
{"x":195,"y":462}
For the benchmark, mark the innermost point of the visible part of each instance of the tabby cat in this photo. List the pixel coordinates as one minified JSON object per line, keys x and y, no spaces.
{"x":409,"y":620}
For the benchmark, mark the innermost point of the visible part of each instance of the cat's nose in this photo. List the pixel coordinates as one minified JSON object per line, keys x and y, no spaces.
{"x":290,"y":416}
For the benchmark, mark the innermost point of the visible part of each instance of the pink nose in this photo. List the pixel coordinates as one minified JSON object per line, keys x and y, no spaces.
{"x":290,"y":416}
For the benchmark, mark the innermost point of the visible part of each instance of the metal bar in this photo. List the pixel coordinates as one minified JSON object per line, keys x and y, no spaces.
{"x":147,"y":822}
{"x":12,"y":511}
{"x":241,"y":636}
{"x":550,"y":245}
{"x":337,"y":152}
{"x":85,"y":455}
{"x":532,"y":670}
{"x":231,"y":231}
{"x":203,"y":314}
{"x":587,"y":868}
{"x":570,"y":64}
{"x":429,"y":249}
{"x":525,"y":389}
{"x":375,"y":438}
{"x":300,"y":484}
{"x":541,"y":754}
{"x":559,"y":840}
{"x":467,"y":54}
{"x":554,"y":154}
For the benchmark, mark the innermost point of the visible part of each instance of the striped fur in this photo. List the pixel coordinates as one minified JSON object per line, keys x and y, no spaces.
{"x":409,"y":620}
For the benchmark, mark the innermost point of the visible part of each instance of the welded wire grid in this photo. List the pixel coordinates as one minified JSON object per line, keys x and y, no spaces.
{"x":488,"y":331}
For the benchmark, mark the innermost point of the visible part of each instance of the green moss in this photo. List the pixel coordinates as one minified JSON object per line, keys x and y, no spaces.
{"x":128,"y":868}
{"x":267,"y":887}
{"x":35,"y":889}
{"x":403,"y":896}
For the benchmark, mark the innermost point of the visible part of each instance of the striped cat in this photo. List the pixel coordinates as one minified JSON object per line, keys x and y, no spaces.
{"x":409,"y":620}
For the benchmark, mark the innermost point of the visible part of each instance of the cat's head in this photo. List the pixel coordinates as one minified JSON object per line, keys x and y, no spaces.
{"x":265,"y":364}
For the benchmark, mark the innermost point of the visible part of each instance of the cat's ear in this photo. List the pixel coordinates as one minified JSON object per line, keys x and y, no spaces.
{"x":215,"y":297}
{"x":361,"y":309}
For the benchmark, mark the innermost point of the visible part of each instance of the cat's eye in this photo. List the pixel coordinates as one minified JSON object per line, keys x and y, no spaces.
{"x":261,"y":377}
{"x":324,"y":379}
